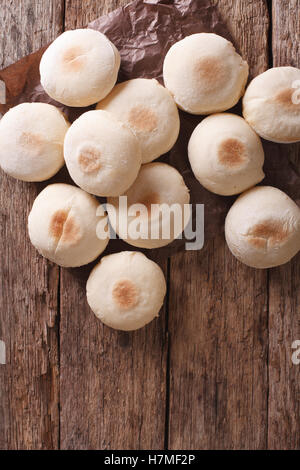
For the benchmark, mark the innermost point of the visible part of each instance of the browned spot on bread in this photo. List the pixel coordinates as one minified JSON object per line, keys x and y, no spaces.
{"x":151,"y":198}
{"x":232,"y":152}
{"x":147,"y":201}
{"x":211,"y":72}
{"x":73,"y":59}
{"x":269,"y":232}
{"x":31,"y":142}
{"x":57,"y":223}
{"x":63,"y":227}
{"x":258,"y":242}
{"x":89,"y":160}
{"x":125,"y":294}
{"x":71,"y":232}
{"x":286,"y":97}
{"x":142,"y":119}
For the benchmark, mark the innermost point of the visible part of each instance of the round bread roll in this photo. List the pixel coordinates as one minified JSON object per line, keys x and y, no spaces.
{"x":226,"y":155}
{"x":80,"y":67}
{"x":271,"y":104}
{"x":153,"y":214}
{"x":62,"y":226}
{"x":149,"y":110}
{"x":262,"y":227}
{"x":102,"y":154}
{"x":204,"y":73}
{"x":126,"y":290}
{"x":32,"y":137}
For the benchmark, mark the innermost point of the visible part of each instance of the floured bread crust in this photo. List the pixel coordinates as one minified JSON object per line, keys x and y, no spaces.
{"x":126,"y":290}
{"x":102,"y":154}
{"x":205,"y":74}
{"x":226,"y":155}
{"x":271,"y":104}
{"x":80,"y":67}
{"x":150,"y":111}
{"x":262,"y":228}
{"x":32,"y":137}
{"x":157,"y":184}
{"x":63,"y":223}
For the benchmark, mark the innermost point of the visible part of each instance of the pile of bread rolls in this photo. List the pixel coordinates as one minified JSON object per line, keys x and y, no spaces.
{"x":110,"y":150}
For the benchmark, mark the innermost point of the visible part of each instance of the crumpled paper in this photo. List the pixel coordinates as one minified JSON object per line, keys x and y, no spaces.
{"x":143,"y":31}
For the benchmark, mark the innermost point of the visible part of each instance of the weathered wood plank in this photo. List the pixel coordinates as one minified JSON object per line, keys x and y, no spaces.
{"x":26,"y":26}
{"x":286,"y":32}
{"x":113,"y":384}
{"x":79,"y":14}
{"x":218,"y":319}
{"x":248,"y":23}
{"x":29,"y":382}
{"x":284,"y":302}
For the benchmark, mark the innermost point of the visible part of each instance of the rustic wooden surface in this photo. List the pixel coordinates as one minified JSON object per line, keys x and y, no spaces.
{"x":119,"y":379}
{"x":218,"y":317}
{"x":214,"y":371}
{"x":29,"y":383}
{"x":284,"y":282}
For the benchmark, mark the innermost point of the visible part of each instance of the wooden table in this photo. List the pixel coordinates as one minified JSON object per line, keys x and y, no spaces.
{"x":214,"y":371}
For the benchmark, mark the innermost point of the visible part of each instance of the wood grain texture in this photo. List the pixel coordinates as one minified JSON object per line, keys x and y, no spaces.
{"x":284,"y":302}
{"x":26,"y":26}
{"x":29,"y":392}
{"x":79,"y":13}
{"x":113,"y":384}
{"x":286,"y":32}
{"x":218,"y":318}
{"x":226,"y":379}
{"x":218,"y":352}
{"x":248,"y":23}
{"x":285,"y":51}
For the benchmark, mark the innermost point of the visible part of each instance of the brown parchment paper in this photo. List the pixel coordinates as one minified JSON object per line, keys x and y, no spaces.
{"x":143,"y":31}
